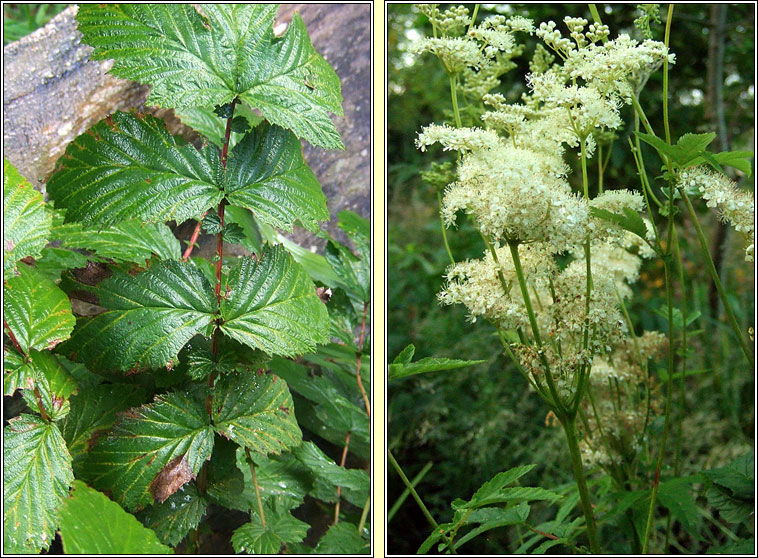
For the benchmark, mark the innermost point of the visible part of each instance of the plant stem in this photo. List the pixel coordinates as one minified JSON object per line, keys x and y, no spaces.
{"x":257,"y":488}
{"x":716,"y":281}
{"x":358,"y":362}
{"x":456,"y":112}
{"x":669,"y":388}
{"x":339,"y":488}
{"x":193,"y":238}
{"x":666,"y":77}
{"x":364,"y":515}
{"x":13,"y":340}
{"x":581,"y":483}
{"x":40,"y":406}
{"x":444,"y":231}
{"x":399,"y":502}
{"x":473,"y":17}
{"x":412,"y":490}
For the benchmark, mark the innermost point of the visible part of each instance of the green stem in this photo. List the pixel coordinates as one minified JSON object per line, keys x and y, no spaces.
{"x":255,"y":484}
{"x":416,"y":497}
{"x":581,"y":483}
{"x":716,"y":281}
{"x":454,"y":95}
{"x":444,"y":231}
{"x":666,"y":77}
{"x":404,"y":495}
{"x":560,"y":410}
{"x":669,"y":388}
{"x":595,"y":14}
{"x":364,"y":515}
{"x":473,"y":17}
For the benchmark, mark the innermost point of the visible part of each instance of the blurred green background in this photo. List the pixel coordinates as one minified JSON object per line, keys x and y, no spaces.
{"x":472,"y":423}
{"x":21,"y":19}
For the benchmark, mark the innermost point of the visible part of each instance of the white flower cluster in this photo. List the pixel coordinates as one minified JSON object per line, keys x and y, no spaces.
{"x":735,"y":205}
{"x":455,"y":53}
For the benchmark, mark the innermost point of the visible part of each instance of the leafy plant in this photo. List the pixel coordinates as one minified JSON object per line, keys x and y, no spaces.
{"x":172,"y":400}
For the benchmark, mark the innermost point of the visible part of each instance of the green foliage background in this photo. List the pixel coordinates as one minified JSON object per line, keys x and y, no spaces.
{"x":475,"y":422}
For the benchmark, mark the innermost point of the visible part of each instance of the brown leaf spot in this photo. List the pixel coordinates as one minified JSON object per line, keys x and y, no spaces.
{"x":136,"y":369}
{"x":284,"y":409}
{"x":94,"y":438}
{"x":170,"y":365}
{"x":92,"y":274}
{"x":58,"y":402}
{"x":52,"y":344}
{"x":28,"y":260}
{"x":260,"y":372}
{"x":148,"y":180}
{"x":171,"y":478}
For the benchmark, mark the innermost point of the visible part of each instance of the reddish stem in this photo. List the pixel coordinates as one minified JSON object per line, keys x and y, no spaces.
{"x":339,"y":488}
{"x":40,"y":406}
{"x":193,"y":238}
{"x":13,"y":339}
{"x":358,"y":361}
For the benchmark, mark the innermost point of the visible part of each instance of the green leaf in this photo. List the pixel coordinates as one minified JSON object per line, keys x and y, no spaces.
{"x":406,"y":355}
{"x":742,"y":546}
{"x":129,"y":166}
{"x":355,"y":483}
{"x":738,"y":476}
{"x":676,"y":496}
{"x":428,"y":543}
{"x":630,"y":220}
{"x":731,"y":508}
{"x":333,"y":409}
{"x":55,"y":260}
{"x":91,"y":523}
{"x":256,"y":412}
{"x":26,"y":218}
{"x":280,"y":528}
{"x":429,"y":364}
{"x":93,"y":411}
{"x":510,"y":516}
{"x":36,"y":477}
{"x":208,"y":124}
{"x":191,"y":60}
{"x":738,"y":159}
{"x":175,"y":517}
{"x":343,"y":538}
{"x":36,"y":310}
{"x":687,"y":148}
{"x":281,"y":477}
{"x":353,"y":272}
{"x":17,"y":374}
{"x":267,"y":174}
{"x":272,"y":305}
{"x":53,"y":382}
{"x":153,"y":450}
{"x":493,"y":488}
{"x":149,"y":319}
{"x":128,"y":241}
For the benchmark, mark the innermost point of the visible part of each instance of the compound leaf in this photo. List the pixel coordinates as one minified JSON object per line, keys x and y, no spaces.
{"x":202,"y":60}
{"x":492,"y":490}
{"x":93,"y":412}
{"x":342,"y":538}
{"x":53,"y":383}
{"x":281,"y":527}
{"x":153,"y":450}
{"x":266,"y":173}
{"x":26,"y":218}
{"x":175,"y":517}
{"x":355,"y":483}
{"x":36,"y":477}
{"x":91,"y":523}
{"x":37,"y":312}
{"x":128,"y":241}
{"x":129,"y":166}
{"x":256,"y":412}
{"x":272,"y":305}
{"x":149,"y":319}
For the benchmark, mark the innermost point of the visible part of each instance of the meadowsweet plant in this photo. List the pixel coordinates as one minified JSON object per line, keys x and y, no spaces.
{"x":559,"y":266}
{"x":160,"y":384}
